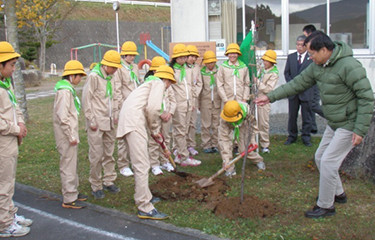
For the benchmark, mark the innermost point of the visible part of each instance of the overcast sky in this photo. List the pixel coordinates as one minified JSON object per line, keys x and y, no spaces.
{"x":294,"y":5}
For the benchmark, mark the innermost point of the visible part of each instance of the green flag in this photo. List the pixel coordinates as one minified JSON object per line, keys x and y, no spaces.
{"x":248,"y":54}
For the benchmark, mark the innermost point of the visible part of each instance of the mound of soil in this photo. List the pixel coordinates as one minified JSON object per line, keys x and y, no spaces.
{"x":175,"y":188}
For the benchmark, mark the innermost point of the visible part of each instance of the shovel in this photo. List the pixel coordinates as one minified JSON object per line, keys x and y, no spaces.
{"x":204,"y":182}
{"x":168,"y":153}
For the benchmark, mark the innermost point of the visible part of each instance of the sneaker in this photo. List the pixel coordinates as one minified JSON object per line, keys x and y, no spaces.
{"x":74,"y":205}
{"x":175,"y":152}
{"x":266,"y":150}
{"x":98,"y":194}
{"x":155,"y":200}
{"x":153,"y":214}
{"x":235,"y":150}
{"x":82,"y":197}
{"x":15,"y":230}
{"x":127,"y":172}
{"x":261,"y":166}
{"x":177,"y":159}
{"x":21,"y":220}
{"x":192,"y":151}
{"x":230,"y":173}
{"x":191,"y":162}
{"x":208,"y":150}
{"x":156,"y":171}
{"x":111,"y":188}
{"x":167,"y":166}
{"x":215,"y":150}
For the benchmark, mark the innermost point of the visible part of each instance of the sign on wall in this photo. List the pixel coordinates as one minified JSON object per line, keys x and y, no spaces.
{"x":201,"y":46}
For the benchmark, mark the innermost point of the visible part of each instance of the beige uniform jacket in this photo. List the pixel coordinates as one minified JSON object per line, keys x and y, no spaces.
{"x":197,"y":79}
{"x":183,"y":91}
{"x":209,"y":96}
{"x":65,"y":117}
{"x":169,"y":101}
{"x":141,"y":110}
{"x":98,"y":109}
{"x":10,"y":116}
{"x":267,"y":83}
{"x":230,"y":87}
{"x":124,"y":84}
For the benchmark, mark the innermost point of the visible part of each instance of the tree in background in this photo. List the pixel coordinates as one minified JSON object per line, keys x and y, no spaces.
{"x":44,"y":17}
{"x":12,"y":37}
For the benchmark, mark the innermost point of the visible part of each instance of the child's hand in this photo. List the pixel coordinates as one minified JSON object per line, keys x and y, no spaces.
{"x":74,"y":142}
{"x":94,"y":128}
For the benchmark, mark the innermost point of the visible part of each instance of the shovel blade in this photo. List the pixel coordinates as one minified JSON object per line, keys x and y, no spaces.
{"x":205,"y":182}
{"x":181,"y":174}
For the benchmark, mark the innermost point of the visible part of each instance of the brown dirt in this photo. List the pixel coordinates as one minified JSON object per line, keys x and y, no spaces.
{"x":214,"y":197}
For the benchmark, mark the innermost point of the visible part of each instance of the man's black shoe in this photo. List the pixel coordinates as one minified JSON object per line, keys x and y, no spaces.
{"x":289,"y":141}
{"x":342,"y":198}
{"x":112,"y":188}
{"x":307,"y":144}
{"x":314,"y":131}
{"x":318,"y":212}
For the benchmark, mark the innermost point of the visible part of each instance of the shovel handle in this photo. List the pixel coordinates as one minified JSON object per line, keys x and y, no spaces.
{"x":250,"y":148}
{"x":165,"y":149}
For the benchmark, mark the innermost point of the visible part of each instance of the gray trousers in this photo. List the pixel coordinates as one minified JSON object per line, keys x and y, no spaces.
{"x":332,"y":150}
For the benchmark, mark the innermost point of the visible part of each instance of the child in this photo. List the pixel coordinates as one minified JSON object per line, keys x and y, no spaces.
{"x":126,"y":79}
{"x":169,"y":106}
{"x":197,"y":88}
{"x":65,"y":124}
{"x":266,"y":83}
{"x":184,"y":100}
{"x":144,"y":104}
{"x":12,"y":130}
{"x":210,"y":104}
{"x":99,"y":105}
{"x":235,"y":119}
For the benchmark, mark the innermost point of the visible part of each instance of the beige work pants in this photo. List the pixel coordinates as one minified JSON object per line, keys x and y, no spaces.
{"x":210,"y":119}
{"x":122,"y":155}
{"x":157,"y":158}
{"x":180,"y":129}
{"x":192,"y":127}
{"x":8,"y":167}
{"x":101,"y":147}
{"x":68,"y":170}
{"x":226,"y":142}
{"x":138,"y":153}
{"x":263,"y":125}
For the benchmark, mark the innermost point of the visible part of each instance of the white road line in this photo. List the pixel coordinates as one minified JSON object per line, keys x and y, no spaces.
{"x":73,"y":223}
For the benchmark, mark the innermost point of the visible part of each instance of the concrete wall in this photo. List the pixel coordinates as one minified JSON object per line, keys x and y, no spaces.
{"x":79,"y":33}
{"x":188,"y":20}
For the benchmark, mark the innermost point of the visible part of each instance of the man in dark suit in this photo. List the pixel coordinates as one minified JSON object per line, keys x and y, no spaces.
{"x":295,"y":64}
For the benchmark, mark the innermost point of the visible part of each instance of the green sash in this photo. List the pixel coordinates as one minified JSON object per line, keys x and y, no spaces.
{"x":182,"y":69}
{"x":64,"y":84}
{"x":108,"y":92}
{"x":133,"y":76}
{"x":6,"y":85}
{"x":236,"y":125}
{"x":211,"y":74}
{"x":234,"y":67}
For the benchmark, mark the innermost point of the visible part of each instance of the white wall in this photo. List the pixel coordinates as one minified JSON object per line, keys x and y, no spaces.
{"x":188,"y":20}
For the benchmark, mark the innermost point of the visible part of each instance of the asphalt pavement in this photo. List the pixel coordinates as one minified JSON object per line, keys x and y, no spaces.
{"x":52,"y":222}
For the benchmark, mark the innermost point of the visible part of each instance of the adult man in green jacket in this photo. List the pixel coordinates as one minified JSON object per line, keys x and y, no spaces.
{"x":347,"y":103}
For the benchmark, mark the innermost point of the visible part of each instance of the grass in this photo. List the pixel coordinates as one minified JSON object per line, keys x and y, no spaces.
{"x":290,"y":180}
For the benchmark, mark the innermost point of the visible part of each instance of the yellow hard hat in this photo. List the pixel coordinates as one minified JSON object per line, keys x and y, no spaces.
{"x":112,"y":59}
{"x":73,"y":67}
{"x":233,"y":48}
{"x":165,"y":72}
{"x":232,"y":111}
{"x":7,"y":52}
{"x":270,"y":55}
{"x":209,"y":57}
{"x":192,"y":50}
{"x":129,"y":48}
{"x":157,"y":62}
{"x":179,"y":50}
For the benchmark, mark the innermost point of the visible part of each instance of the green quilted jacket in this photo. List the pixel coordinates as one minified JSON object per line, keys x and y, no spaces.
{"x":345,"y":91}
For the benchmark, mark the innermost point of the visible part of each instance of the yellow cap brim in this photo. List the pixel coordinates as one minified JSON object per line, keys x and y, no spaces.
{"x":7,"y":56}
{"x":165,"y":75}
{"x":233,"y":51}
{"x":268,"y":59}
{"x":182,"y":54}
{"x":209,"y":60}
{"x":74,"y":72}
{"x":111,"y":64}
{"x":123,"y":53}
{"x":230,"y":119}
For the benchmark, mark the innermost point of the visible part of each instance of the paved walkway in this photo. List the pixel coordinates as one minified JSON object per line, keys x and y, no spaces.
{"x":51,"y":221}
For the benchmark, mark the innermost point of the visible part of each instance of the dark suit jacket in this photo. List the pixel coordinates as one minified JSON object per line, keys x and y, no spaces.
{"x":291,"y":70}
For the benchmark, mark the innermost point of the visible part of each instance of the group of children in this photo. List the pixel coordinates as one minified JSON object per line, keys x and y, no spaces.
{"x":118,"y":104}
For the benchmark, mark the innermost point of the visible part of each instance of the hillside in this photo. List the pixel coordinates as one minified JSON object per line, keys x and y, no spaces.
{"x":131,"y":13}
